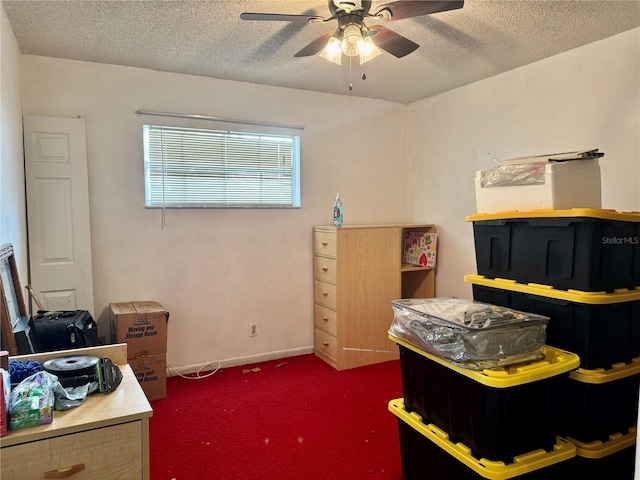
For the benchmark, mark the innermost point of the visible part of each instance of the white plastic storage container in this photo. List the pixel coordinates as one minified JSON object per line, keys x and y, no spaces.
{"x":569,"y":184}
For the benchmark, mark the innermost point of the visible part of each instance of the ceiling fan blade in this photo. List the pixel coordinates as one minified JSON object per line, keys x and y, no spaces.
{"x":279,"y":17}
{"x":392,"y":42}
{"x":315,"y":46}
{"x":415,"y":8}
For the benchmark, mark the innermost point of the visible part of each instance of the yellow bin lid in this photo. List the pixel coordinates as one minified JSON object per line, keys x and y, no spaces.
{"x":576,"y":296}
{"x":617,"y":371}
{"x":602,"y":214}
{"x":598,"y":449}
{"x":555,"y":362}
{"x":494,"y":470}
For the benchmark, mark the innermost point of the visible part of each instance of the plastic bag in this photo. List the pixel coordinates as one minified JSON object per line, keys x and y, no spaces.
{"x":510,"y":173}
{"x":468,"y":333}
{"x":31,"y":401}
{"x":72,"y":397}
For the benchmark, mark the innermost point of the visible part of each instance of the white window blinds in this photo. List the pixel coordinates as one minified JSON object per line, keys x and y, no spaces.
{"x":195,"y":168}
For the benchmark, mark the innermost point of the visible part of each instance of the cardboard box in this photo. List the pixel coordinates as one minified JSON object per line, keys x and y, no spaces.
{"x":151,"y":373}
{"x":420,"y":249}
{"x":141,"y":325}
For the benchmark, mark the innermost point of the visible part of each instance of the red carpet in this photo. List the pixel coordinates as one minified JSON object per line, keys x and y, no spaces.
{"x":295,"y":419}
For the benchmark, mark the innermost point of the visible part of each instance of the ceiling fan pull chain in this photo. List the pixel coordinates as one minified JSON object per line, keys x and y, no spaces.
{"x":350,"y":84}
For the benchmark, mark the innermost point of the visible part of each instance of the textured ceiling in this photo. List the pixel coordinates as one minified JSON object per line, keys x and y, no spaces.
{"x":208,"y":38}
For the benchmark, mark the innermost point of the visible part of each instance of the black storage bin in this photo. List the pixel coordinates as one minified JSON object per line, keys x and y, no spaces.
{"x":498,"y":413}
{"x":428,"y":453}
{"x":601,"y":328}
{"x":582,"y":249}
{"x":614,"y":459}
{"x":601,"y":403}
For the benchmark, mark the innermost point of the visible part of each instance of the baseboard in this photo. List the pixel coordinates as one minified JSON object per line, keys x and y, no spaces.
{"x":237,"y":361}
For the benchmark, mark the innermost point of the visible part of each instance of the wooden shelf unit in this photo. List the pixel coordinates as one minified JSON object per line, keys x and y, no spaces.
{"x":358,"y":271}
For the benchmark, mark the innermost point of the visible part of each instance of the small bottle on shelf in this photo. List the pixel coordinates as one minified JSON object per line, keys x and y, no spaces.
{"x":337,"y":211}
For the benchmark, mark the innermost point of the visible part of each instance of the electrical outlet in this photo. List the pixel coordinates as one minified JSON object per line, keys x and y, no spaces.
{"x":253,"y":329}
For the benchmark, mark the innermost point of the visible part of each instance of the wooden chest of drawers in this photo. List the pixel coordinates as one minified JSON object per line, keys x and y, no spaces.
{"x":104,"y":453}
{"x":106,"y":437}
{"x":357,"y":272}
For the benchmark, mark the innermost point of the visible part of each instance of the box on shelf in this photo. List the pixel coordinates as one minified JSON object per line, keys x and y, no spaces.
{"x":468,"y":333}
{"x":427,"y":452}
{"x":550,"y":181}
{"x":601,"y":402}
{"x":141,"y":325}
{"x":420,"y":248}
{"x":601,"y":328}
{"x":4,"y":360}
{"x":581,"y":249}
{"x":4,"y":416}
{"x":497,"y":413}
{"x":151,"y":373}
{"x":614,"y":458}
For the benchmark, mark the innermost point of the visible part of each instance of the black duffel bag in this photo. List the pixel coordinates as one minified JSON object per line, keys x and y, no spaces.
{"x":64,"y":329}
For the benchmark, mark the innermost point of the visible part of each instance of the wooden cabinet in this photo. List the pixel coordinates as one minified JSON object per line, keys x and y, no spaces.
{"x":106,"y":437}
{"x":358,"y":271}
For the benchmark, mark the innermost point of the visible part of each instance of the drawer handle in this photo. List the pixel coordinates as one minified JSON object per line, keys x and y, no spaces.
{"x":64,"y":472}
{"x":324,"y":244}
{"x":326,"y":319}
{"x":325,"y":269}
{"x":326,"y":344}
{"x":326,"y":294}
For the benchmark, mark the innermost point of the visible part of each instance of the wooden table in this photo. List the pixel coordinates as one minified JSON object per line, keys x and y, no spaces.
{"x":106,"y":437}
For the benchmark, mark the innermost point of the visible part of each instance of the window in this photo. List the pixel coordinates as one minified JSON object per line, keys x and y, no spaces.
{"x":195,"y":168}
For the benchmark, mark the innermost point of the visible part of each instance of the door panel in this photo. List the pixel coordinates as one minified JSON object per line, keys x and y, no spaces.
{"x":58,"y":212}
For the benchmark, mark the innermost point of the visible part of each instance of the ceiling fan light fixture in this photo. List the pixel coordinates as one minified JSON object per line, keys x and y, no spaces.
{"x":351,"y":40}
{"x":368,"y":50}
{"x":352,"y":37}
{"x":332,"y":51}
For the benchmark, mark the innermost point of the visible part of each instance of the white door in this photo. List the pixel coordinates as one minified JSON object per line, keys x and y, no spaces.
{"x":58,"y":212}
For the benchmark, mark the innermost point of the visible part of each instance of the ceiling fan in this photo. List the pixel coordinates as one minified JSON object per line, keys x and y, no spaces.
{"x":352,"y":37}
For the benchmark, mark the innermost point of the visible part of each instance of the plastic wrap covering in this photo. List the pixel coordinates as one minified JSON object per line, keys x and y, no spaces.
{"x":468,"y":333}
{"x":528,"y":170}
{"x":511,"y":174}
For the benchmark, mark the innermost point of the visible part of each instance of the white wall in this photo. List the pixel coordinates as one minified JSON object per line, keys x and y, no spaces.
{"x":584,"y":98}
{"x":217,"y":270}
{"x":13,"y":221}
